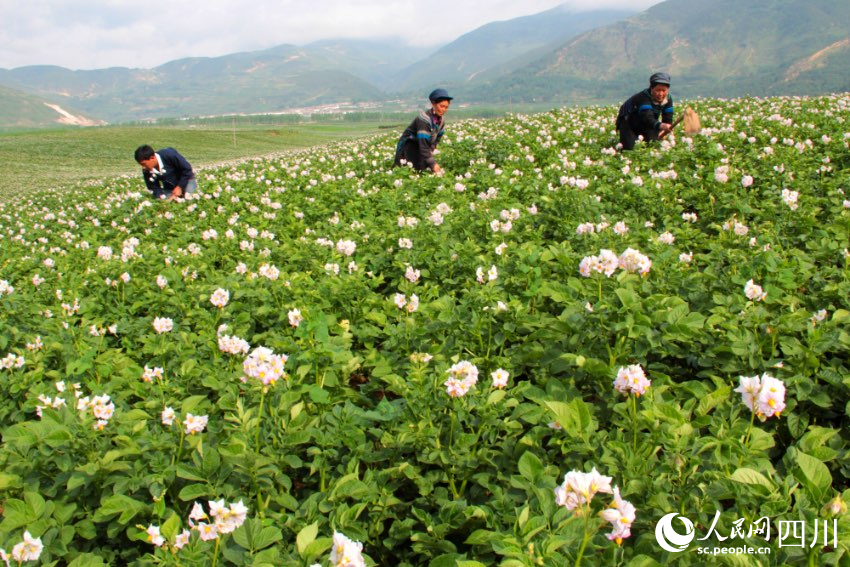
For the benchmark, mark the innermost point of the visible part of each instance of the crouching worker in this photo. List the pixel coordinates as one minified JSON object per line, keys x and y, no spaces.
{"x":648,"y":113}
{"x":167,"y":174}
{"x":419,"y":140}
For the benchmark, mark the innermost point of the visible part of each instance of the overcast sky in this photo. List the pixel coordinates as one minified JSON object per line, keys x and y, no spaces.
{"x":93,"y":34}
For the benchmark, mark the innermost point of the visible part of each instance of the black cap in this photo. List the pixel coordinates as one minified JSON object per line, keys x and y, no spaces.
{"x":439,"y":94}
{"x":659,"y":79}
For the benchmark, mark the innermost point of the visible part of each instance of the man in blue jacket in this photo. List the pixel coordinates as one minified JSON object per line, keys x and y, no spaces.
{"x":167,"y":174}
{"x":648,"y":113}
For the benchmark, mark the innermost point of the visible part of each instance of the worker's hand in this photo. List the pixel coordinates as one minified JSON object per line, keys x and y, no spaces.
{"x":437,"y":168}
{"x":176,"y":194}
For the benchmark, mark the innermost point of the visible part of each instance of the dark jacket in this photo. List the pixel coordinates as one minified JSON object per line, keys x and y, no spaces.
{"x":177,"y":173}
{"x":419,"y":140}
{"x":643,"y":116}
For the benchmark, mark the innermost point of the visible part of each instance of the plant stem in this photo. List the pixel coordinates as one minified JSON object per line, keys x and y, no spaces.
{"x":584,"y":540}
{"x":215,"y":554}
{"x":260,"y":418}
{"x":633,"y":400}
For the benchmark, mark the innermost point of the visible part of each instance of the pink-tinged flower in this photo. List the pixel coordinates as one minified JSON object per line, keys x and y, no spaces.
{"x":586,"y":228}
{"x":631,"y":379}
{"x":154,"y":536}
{"x":102,"y":407}
{"x":633,"y":261}
{"x":421,"y":357}
{"x":346,"y":553}
{"x":621,"y":514}
{"x":465,"y":371}
{"x":579,"y":488}
{"x":771,"y":398}
{"x":264,"y":365}
{"x":295,"y":317}
{"x":621,"y":228}
{"x":182,"y":539}
{"x":400,"y":300}
{"x":413,"y":303}
{"x":500,"y":378}
{"x":163,"y":325}
{"x":346,"y":247}
{"x":666,"y":238}
{"x":198,"y":513}
{"x":161,"y":282}
{"x":764,"y":395}
{"x":168,"y":416}
{"x":606,"y":263}
{"x":819,"y":316}
{"x":747,"y":181}
{"x":151,"y":374}
{"x":195,"y":423}
{"x":12,"y":360}
{"x":500,"y":249}
{"x":686,"y":258}
{"x":208,"y":532}
{"x":27,"y":550}
{"x":754,"y":292}
{"x":270,"y":272}
{"x":233,"y":345}
{"x":332,"y":268}
{"x":220,"y":298}
{"x":456,"y":388}
{"x":492,"y":273}
{"x":790,"y":198}
{"x":412,"y":275}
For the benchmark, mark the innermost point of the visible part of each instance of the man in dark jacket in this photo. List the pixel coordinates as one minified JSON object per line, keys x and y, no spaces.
{"x":419,"y":140}
{"x":648,"y":113}
{"x":167,"y":174}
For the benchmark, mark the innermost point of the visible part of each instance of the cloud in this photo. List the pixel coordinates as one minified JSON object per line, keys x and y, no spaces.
{"x":90,"y":34}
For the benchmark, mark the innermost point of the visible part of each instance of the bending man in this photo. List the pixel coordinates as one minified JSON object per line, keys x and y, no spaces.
{"x":648,"y":113}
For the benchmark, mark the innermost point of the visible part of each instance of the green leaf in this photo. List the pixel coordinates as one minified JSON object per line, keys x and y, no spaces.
{"x":480,"y":537}
{"x":87,"y":560}
{"x":574,"y":417}
{"x":749,"y":476}
{"x":530,"y":466}
{"x":211,"y":462}
{"x":465,"y":563}
{"x":712,"y":400}
{"x":317,"y":548}
{"x":9,"y":481}
{"x":194,"y":491}
{"x":16,"y":514}
{"x":35,"y":503}
{"x":628,"y":298}
{"x":190,"y":473}
{"x":814,"y":475}
{"x":171,"y":527}
{"x":306,"y":536}
{"x":191,"y":404}
{"x":118,"y":504}
{"x":267,"y":536}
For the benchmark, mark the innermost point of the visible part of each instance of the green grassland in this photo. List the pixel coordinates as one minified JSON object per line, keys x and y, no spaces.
{"x":33,"y":161}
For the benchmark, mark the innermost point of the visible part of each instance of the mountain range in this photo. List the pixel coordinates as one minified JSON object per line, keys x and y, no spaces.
{"x":711,"y":47}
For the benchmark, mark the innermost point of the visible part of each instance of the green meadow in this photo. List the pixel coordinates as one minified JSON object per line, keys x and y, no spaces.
{"x":40,"y":160}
